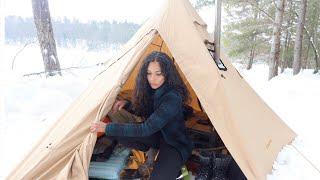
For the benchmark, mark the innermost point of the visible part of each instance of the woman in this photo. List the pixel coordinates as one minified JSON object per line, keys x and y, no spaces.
{"x":159,"y":97}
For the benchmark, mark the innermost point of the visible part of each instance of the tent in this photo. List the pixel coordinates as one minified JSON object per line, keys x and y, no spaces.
{"x":251,"y":131}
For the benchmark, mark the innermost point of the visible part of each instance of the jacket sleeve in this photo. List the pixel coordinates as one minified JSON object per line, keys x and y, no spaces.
{"x":170,"y":105}
{"x":129,"y":107}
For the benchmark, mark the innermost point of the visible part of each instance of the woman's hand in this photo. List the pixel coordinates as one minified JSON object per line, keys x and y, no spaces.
{"x":98,"y":127}
{"x":118,"y":105}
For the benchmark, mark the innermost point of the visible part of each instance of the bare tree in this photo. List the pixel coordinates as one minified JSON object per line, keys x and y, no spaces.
{"x":253,"y":39}
{"x":275,"y":46}
{"x":299,"y":36}
{"x":286,"y":44}
{"x":47,"y":43}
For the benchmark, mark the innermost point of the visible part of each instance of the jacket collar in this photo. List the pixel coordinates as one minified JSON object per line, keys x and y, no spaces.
{"x":161,"y":90}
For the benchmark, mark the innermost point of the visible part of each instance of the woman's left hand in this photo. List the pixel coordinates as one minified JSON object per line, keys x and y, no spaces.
{"x":98,"y":127}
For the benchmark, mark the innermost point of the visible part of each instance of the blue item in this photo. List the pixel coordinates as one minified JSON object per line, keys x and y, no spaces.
{"x":111,"y":168}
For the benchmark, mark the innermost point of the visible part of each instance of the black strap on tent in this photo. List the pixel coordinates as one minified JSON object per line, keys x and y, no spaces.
{"x":219,"y":63}
{"x":199,"y":103}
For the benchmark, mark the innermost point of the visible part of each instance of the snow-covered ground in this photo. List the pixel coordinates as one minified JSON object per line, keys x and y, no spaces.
{"x":295,"y":99}
{"x":29,"y":105}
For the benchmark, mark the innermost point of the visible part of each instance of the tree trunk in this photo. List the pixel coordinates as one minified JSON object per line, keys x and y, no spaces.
{"x":284,"y":57}
{"x":316,"y":58}
{"x":304,"y":61}
{"x":316,"y":52}
{"x":253,"y":39}
{"x":252,"y":54}
{"x":47,"y":43}
{"x":282,"y":63}
{"x":299,"y":36}
{"x":275,"y":46}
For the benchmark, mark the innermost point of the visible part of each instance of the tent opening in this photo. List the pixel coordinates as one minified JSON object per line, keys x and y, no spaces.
{"x":113,"y":161}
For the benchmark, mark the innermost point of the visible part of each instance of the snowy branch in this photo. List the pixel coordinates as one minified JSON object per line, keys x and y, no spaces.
{"x":14,"y":58}
{"x":64,"y":69}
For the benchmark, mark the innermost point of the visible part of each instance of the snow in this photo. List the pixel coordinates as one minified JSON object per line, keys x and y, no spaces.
{"x":295,"y":100}
{"x":2,"y":23}
{"x":29,"y":105}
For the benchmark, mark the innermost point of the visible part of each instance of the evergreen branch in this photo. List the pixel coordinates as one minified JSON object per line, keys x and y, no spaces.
{"x":255,"y":5}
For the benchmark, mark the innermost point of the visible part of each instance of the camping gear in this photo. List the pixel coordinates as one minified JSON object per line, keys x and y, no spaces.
{"x":184,"y":174}
{"x":103,"y":149}
{"x":249,"y":128}
{"x":205,"y":171}
{"x":203,"y":139}
{"x":145,"y":169}
{"x":220,"y":165}
{"x":110,"y":168}
{"x":216,"y":166}
{"x":130,"y":174}
{"x":199,"y":122}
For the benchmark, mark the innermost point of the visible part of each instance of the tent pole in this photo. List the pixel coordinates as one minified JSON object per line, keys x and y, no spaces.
{"x":217,"y":29}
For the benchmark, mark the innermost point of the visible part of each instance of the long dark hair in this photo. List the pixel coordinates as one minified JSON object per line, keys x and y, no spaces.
{"x":142,"y":95}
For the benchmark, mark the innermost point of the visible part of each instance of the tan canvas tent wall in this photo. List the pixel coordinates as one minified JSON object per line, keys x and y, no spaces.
{"x":252,"y":132}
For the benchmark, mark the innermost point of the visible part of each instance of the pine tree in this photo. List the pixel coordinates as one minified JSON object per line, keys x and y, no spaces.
{"x":299,"y":38}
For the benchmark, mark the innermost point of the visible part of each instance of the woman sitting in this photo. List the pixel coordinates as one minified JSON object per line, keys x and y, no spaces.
{"x":159,"y":97}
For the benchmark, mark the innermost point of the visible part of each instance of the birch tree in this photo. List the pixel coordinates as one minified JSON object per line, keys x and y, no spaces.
{"x":275,"y":45}
{"x":47,"y":43}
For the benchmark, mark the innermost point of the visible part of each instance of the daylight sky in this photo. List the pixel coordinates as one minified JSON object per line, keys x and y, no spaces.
{"x":131,"y":10}
{"x":136,"y":11}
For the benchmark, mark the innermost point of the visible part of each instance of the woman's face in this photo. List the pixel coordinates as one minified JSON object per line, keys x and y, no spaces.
{"x":155,"y":75}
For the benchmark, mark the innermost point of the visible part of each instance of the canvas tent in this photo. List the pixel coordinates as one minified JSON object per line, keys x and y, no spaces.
{"x":251,"y":131}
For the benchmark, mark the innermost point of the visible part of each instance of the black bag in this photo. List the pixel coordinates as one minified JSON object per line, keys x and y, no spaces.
{"x":103,"y":149}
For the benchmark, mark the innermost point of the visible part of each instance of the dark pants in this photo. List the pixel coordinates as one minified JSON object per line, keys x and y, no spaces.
{"x":169,"y":161}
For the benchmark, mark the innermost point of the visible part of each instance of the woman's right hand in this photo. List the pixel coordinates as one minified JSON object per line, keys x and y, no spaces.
{"x":118,"y":105}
